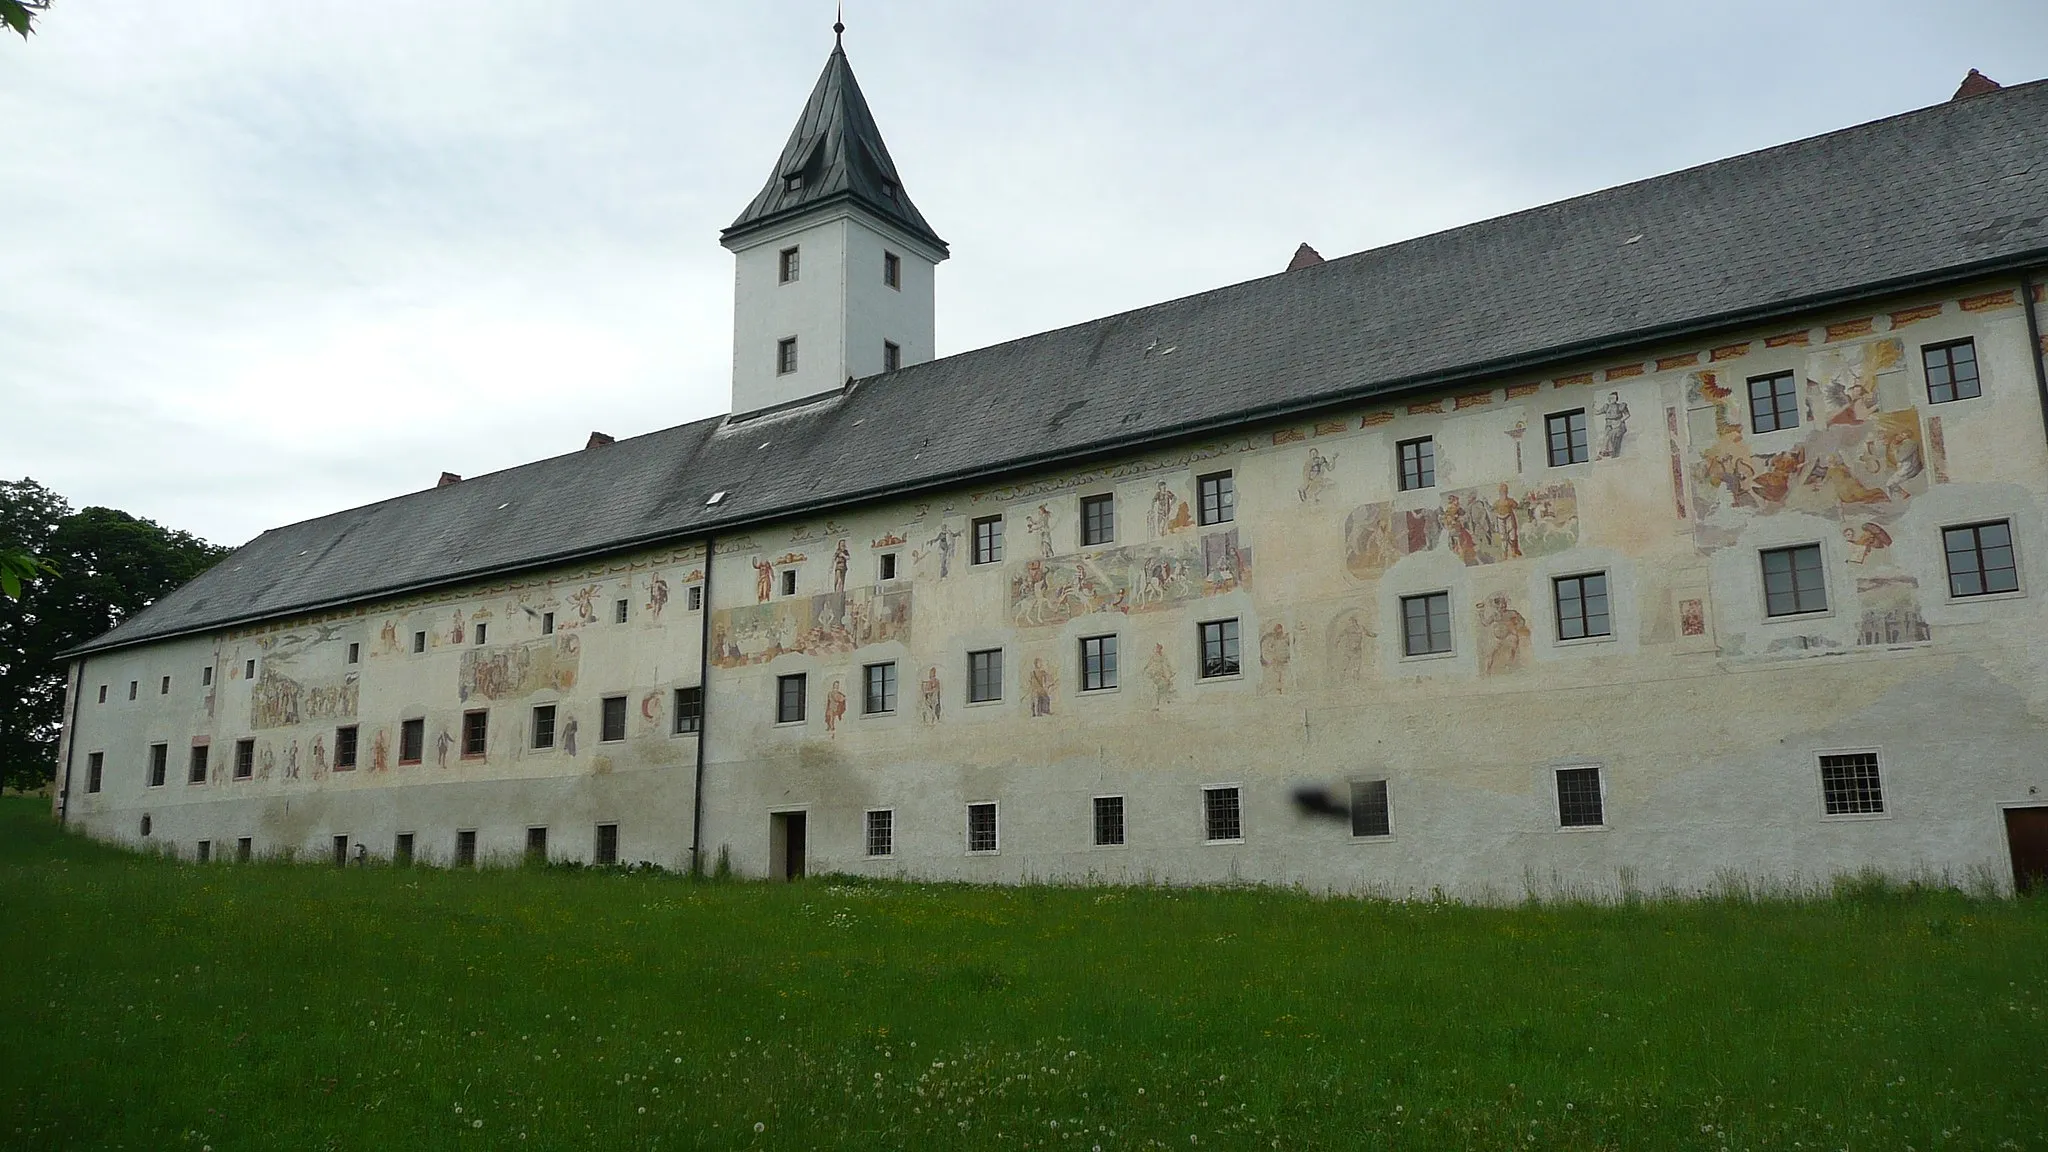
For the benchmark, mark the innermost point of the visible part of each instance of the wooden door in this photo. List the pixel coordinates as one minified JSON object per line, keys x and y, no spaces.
{"x":2026,"y":832}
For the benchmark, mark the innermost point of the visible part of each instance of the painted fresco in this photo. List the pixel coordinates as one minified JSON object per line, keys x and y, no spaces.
{"x":821,"y":625}
{"x":1891,"y":611}
{"x":1504,"y":636}
{"x":1483,"y":525}
{"x":278,"y":701}
{"x":511,"y":671}
{"x":1276,"y":656}
{"x":1350,"y":646}
{"x":1130,"y":578}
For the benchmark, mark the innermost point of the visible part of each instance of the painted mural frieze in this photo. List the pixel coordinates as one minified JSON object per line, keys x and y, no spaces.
{"x":1482,"y":525}
{"x":1130,"y":578}
{"x":825,"y":624}
{"x":278,"y":701}
{"x":511,"y":671}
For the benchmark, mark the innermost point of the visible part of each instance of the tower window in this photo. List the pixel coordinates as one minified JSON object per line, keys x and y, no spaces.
{"x":892,"y":270}
{"x":892,"y":356}
{"x":785,"y":356}
{"x":788,"y":266}
{"x":889,"y":189}
{"x":793,"y":183}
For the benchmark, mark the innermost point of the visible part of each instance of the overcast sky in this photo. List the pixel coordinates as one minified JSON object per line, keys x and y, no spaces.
{"x":262,"y":260}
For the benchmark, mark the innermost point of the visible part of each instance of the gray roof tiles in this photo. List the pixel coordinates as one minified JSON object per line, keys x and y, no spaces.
{"x":1938,"y":194}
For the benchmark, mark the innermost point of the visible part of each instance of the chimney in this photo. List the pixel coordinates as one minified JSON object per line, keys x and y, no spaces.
{"x":1975,"y":84}
{"x":1304,"y":257}
{"x":597,"y":440}
{"x":446,"y":479}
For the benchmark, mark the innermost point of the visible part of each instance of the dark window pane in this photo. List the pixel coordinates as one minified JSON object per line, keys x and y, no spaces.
{"x":1582,"y":606}
{"x":1793,"y":581}
{"x":985,"y":675}
{"x":1223,"y":819}
{"x":1370,"y":815}
{"x":689,"y":710}
{"x":1578,"y":798}
{"x":1567,"y":435}
{"x":880,"y":688}
{"x":1418,"y":464}
{"x":1849,"y":784}
{"x":1098,"y":519}
{"x":988,"y":540}
{"x":1109,"y":820}
{"x":1098,"y":663}
{"x":1217,"y":495}
{"x":789,"y":698}
{"x":1220,"y":648}
{"x":1426,"y":623}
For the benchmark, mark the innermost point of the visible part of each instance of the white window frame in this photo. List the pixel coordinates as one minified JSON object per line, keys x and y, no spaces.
{"x":1820,"y":790}
{"x":867,"y":835}
{"x":1125,"y":825}
{"x":1235,"y":786}
{"x":967,"y":828}
{"x":1557,"y":801}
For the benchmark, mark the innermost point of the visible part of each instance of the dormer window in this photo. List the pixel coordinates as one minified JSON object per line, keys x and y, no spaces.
{"x":889,"y":189}
{"x":793,"y":183}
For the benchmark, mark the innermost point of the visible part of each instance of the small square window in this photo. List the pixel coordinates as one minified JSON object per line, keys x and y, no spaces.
{"x":1219,"y":648}
{"x":547,"y":623}
{"x":197,"y":775}
{"x":1578,"y":798}
{"x":788,"y":265}
{"x":886,"y":565}
{"x":1418,"y":464}
{"x":620,"y":609}
{"x":985,"y":675}
{"x":881,"y":832}
{"x":544,"y":726}
{"x":1222,"y":815}
{"x":1581,"y":606}
{"x":1098,"y":663}
{"x":159,"y":763}
{"x":790,"y":692}
{"x":981,"y":829}
{"x":693,"y":598}
{"x":689,"y":711}
{"x":606,"y":850}
{"x":1426,"y":624}
{"x":482,"y":630}
{"x":1567,"y":434}
{"x":245,"y":759}
{"x":345,"y":748}
{"x":1951,"y":371}
{"x":988,"y":540}
{"x":1980,"y":559}
{"x":1098,"y":518}
{"x":248,"y":670}
{"x":879,"y":681}
{"x":892,"y":356}
{"x":1849,"y":784}
{"x":1794,"y":582}
{"x":1773,"y":402}
{"x":537,"y":845}
{"x":1217,"y":495}
{"x":785,"y":356}
{"x":95,"y":766}
{"x":419,"y":642}
{"x":612,"y":719}
{"x":1370,"y":813}
{"x":205,"y":681}
{"x":163,"y":687}
{"x":789,"y":581}
{"x":892,"y":270}
{"x":1109,"y":821}
{"x":465,"y":848}
{"x":412,"y":740}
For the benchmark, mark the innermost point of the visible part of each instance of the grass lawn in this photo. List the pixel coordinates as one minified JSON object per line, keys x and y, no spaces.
{"x":153,"y":1004}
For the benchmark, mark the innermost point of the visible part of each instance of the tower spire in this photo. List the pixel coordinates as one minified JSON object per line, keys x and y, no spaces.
{"x":838,"y":26}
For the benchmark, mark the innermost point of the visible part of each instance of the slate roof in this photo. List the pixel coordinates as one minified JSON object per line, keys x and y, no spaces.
{"x":1933,"y":196}
{"x":838,"y":152}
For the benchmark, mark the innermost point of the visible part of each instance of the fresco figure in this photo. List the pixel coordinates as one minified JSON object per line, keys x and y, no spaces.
{"x":319,"y":757}
{"x":650,"y":709}
{"x":387,"y":636}
{"x":441,"y":745}
{"x":1040,"y":686}
{"x":269,"y":763}
{"x":1507,"y":523}
{"x":764,"y":579}
{"x":928,"y":701}
{"x":457,"y":630}
{"x":1614,"y":426}
{"x":1039,"y":524}
{"x":1159,"y":670}
{"x":1457,"y":533}
{"x":1276,"y":650}
{"x":1347,"y":645}
{"x":835,"y":707}
{"x":380,"y":752}
{"x":569,"y":736}
{"x":946,"y":541}
{"x":657,"y":594}
{"x":1902,"y":450}
{"x":1160,"y":514}
{"x":1315,"y":475}
{"x":839,"y":560}
{"x":1866,"y":538}
{"x":291,"y":759}
{"x":1692,"y":617}
{"x":1503,"y":636}
{"x":585,"y":599}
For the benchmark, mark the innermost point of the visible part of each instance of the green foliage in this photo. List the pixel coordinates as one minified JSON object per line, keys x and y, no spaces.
{"x":20,"y":15}
{"x":97,"y":567}
{"x":173,"y":1005}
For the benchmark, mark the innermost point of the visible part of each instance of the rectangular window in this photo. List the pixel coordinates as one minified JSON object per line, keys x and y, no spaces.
{"x":1426,"y":623}
{"x":1793,"y":581}
{"x":879,"y":681}
{"x":1098,"y":518}
{"x":1849,"y":785}
{"x":245,"y":759}
{"x":412,"y":741}
{"x":245,"y":850}
{"x":1578,"y":798}
{"x":132,"y":685}
{"x":788,"y":265}
{"x":1109,"y":821}
{"x":988,"y":540}
{"x":985,"y":675}
{"x":612,"y":719}
{"x":1581,"y":606}
{"x":159,"y":764}
{"x":1098,"y":663}
{"x":340,"y":851}
{"x":476,"y":734}
{"x":892,"y":356}
{"x":606,"y":850}
{"x":1219,"y":648}
{"x":481,"y":629}
{"x":1370,"y":815}
{"x":465,"y":848}
{"x":881,"y":837}
{"x":547,"y":623}
{"x":401,"y":849}
{"x":248,"y":670}
{"x":1217,"y":495}
{"x":103,"y":693}
{"x":205,"y":852}
{"x":345,"y":748}
{"x":689,"y":711}
{"x":886,"y":565}
{"x":1773,"y":402}
{"x":1951,"y":371}
{"x":537,"y":845}
{"x":355,"y":653}
{"x":419,"y":642}
{"x":163,"y":687}
{"x":544,"y":726}
{"x":1418,"y":463}
{"x":197,"y":774}
{"x":785,"y":356}
{"x":1567,"y":432}
{"x":981,"y":828}
{"x":892,"y":270}
{"x":205,"y":681}
{"x":790,"y":692}
{"x":95,"y":765}
{"x":1222,"y":815}
{"x":789,"y":581}
{"x":620,"y":608}
{"x":1980,"y":559}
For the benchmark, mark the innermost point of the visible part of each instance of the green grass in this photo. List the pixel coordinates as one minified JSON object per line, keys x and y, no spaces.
{"x":153,"y":1004}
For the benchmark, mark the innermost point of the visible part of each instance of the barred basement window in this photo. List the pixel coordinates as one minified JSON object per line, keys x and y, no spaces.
{"x":159,"y":763}
{"x":345,"y":748}
{"x":881,"y":838}
{"x":1098,"y":518}
{"x":1567,"y":434}
{"x":245,"y":759}
{"x":606,"y":849}
{"x":1109,"y":821}
{"x":790,"y":692}
{"x":1578,"y":798}
{"x":612,"y":719}
{"x":879,"y":681}
{"x":619,"y":610}
{"x":1581,"y":606}
{"x":1219,"y":648}
{"x":1216,"y":494}
{"x":1951,"y":371}
{"x":1370,"y":814}
{"x":465,"y":848}
{"x":412,"y":741}
{"x":544,"y":726}
{"x":1849,"y":784}
{"x":1773,"y":402}
{"x":988,"y":540}
{"x":693,"y":598}
{"x":985,"y":676}
{"x":197,"y":775}
{"x":1980,"y":559}
{"x":1793,"y":581}
{"x":95,"y":764}
{"x":1418,"y":463}
{"x":1426,"y":624}
{"x":1222,"y":815}
{"x":1098,"y":663}
{"x":689,"y":710}
{"x":981,"y":829}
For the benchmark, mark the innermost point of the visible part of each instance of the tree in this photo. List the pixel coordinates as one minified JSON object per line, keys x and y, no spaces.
{"x":20,"y":15}
{"x":101,"y":567}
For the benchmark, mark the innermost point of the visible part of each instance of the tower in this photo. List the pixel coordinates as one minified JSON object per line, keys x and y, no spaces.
{"x":834,"y":264}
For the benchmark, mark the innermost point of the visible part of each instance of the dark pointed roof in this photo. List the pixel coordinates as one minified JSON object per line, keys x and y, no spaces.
{"x":1304,"y":257}
{"x":838,"y":151}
